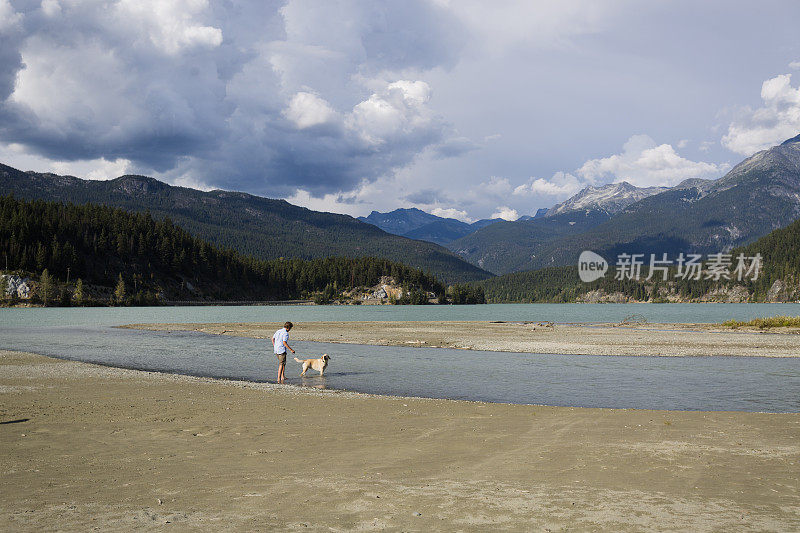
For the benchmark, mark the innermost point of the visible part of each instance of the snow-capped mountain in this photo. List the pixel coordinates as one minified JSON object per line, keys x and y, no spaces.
{"x":611,"y":198}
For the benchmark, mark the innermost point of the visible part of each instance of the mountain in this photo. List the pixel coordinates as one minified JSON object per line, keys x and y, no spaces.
{"x":441,"y":231}
{"x":505,"y":246}
{"x":611,"y":198}
{"x":778,"y":280}
{"x":156,"y":261}
{"x":512,"y":246}
{"x":251,"y":225}
{"x":417,"y":224}
{"x":759,"y":195}
{"x":400,"y":221}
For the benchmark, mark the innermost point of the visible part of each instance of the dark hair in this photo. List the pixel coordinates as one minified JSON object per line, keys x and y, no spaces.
{"x":288,"y":325}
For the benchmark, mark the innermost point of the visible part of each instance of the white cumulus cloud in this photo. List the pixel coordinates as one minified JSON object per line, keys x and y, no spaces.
{"x":398,"y":111}
{"x":777,"y":120}
{"x":306,"y":110}
{"x":506,"y":213}
{"x":644,"y":163}
{"x":172,"y":26}
{"x":561,"y":185}
{"x":451,"y":212}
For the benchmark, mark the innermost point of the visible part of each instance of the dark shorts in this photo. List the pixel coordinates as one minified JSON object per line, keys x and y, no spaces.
{"x":281,"y":358}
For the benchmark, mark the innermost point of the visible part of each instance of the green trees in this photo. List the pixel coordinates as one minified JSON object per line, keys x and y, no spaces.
{"x":143,"y":261}
{"x":467,"y":294}
{"x":77,"y":294}
{"x":260,"y":227}
{"x":779,"y":250}
{"x":119,"y":291}
{"x":45,"y":287}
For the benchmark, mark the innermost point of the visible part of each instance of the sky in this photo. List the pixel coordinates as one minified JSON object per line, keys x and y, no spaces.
{"x":468,"y":109}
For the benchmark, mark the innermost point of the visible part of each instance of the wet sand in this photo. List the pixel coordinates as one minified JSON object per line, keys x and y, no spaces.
{"x":88,"y":447}
{"x":604,"y":339}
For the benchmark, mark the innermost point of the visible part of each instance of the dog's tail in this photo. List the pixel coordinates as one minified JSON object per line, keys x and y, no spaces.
{"x":298,"y":360}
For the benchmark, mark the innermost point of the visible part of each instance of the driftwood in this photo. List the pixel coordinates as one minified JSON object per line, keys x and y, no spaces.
{"x":632,"y":320}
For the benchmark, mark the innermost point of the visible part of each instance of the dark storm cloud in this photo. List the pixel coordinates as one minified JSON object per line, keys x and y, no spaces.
{"x":264,"y":97}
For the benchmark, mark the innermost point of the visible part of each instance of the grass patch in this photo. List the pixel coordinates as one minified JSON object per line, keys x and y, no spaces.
{"x":765,"y":323}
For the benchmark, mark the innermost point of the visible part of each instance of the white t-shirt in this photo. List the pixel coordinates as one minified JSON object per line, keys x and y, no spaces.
{"x":278,"y":338}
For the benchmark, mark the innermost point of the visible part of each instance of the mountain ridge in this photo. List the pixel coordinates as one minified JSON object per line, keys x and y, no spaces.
{"x":262,"y":227}
{"x":758,"y":195}
{"x":612,"y":198}
{"x":415,"y":223}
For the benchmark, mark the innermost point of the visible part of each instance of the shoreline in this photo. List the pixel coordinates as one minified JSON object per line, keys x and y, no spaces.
{"x":88,"y":446}
{"x":666,"y":340}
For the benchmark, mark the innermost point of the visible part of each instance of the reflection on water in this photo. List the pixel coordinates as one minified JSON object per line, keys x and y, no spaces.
{"x":315,"y":382}
{"x":684,"y":383}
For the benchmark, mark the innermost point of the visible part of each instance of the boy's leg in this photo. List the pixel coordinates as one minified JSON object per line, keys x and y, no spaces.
{"x":281,"y":369}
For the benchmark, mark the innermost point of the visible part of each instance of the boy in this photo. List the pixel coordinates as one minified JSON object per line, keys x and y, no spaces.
{"x":280,"y":344}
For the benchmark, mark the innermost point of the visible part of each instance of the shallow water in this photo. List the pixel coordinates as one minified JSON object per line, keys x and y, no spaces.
{"x":586,"y":313}
{"x":679,"y":383}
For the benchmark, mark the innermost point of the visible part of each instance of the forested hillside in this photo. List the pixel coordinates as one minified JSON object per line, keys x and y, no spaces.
{"x":134,"y":258}
{"x":778,"y":280}
{"x":260,"y":227}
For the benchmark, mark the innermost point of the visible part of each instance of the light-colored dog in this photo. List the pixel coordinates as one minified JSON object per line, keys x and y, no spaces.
{"x":317,"y":364}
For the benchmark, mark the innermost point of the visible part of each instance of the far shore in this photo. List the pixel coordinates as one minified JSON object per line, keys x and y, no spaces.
{"x":529,"y":337}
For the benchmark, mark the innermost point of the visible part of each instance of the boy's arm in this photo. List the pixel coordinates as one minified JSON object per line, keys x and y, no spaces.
{"x":287,"y":346}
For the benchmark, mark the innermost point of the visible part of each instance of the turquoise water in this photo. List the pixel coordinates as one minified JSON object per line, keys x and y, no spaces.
{"x":678,"y":383}
{"x":668,"y":313}
{"x":682,"y":383}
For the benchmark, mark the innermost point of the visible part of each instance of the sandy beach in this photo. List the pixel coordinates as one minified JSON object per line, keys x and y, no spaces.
{"x":89,"y":447}
{"x":533,"y":337}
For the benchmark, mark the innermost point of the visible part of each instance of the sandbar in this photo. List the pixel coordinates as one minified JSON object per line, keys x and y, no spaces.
{"x":528,"y":337}
{"x":88,"y":447}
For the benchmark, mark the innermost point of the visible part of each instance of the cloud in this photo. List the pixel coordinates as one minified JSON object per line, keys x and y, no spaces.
{"x":268,"y":97}
{"x":706,"y":146}
{"x":644,"y":163}
{"x":496,"y":186}
{"x":9,"y":18}
{"x":17,"y":156}
{"x":171,"y":26}
{"x":450,"y":212}
{"x":777,"y":120}
{"x":307,"y":110}
{"x":398,"y":114}
{"x":505,"y":24}
{"x":794,"y":65}
{"x":455,"y":147}
{"x":561,"y":185}
{"x":428,"y":197}
{"x":506,"y":213}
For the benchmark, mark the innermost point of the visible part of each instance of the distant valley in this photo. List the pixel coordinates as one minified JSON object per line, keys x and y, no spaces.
{"x":417,"y":224}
